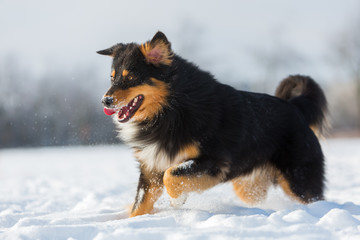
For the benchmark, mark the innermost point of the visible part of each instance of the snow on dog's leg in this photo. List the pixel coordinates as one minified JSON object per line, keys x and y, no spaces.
{"x":191,"y":177}
{"x":178,"y":202}
{"x":149,"y":189}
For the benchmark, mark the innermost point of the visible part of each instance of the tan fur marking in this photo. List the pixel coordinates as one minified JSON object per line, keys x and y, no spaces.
{"x":162,"y":48}
{"x":125,"y":73}
{"x":145,"y":49}
{"x":190,"y":151}
{"x":253,"y":187}
{"x":113,"y":73}
{"x":320,"y":131}
{"x":177,"y":185}
{"x":147,"y":204}
{"x":315,"y":130}
{"x":154,"y":98}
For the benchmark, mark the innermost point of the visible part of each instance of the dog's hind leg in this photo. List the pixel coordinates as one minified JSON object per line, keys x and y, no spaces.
{"x":190,"y":176}
{"x":301,"y":169}
{"x":253,"y":187}
{"x":149,"y":189}
{"x":298,"y":184}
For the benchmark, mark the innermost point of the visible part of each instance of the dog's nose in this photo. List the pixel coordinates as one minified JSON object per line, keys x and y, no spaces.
{"x":107,"y":101}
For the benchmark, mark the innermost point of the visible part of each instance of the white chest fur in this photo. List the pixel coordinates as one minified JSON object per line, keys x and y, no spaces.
{"x":151,"y":155}
{"x":155,"y":158}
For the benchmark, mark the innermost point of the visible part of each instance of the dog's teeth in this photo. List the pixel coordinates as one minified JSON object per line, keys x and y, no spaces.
{"x":135,"y":100}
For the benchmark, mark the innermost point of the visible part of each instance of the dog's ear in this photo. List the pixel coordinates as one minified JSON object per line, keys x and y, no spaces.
{"x":107,"y":52}
{"x":158,"y":50}
{"x":111,"y":51}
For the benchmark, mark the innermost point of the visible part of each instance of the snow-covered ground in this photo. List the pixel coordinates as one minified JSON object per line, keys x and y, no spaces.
{"x":84,"y":193}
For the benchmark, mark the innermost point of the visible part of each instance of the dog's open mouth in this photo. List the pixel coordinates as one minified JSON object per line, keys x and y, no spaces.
{"x":126,"y":112}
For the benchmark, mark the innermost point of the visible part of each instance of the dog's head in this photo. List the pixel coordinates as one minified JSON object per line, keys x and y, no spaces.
{"x":138,"y":88}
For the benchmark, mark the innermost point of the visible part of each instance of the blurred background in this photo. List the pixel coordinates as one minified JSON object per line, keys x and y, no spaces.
{"x":51,"y":79}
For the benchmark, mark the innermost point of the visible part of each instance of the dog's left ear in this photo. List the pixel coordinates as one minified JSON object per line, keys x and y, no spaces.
{"x":111,"y":51}
{"x":158,"y":50}
{"x":107,"y":52}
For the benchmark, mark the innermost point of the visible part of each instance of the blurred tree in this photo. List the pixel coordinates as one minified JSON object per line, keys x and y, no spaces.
{"x":57,"y":108}
{"x":347,"y":57}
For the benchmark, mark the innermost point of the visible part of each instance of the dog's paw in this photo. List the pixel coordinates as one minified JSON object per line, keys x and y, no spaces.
{"x":178,"y":202}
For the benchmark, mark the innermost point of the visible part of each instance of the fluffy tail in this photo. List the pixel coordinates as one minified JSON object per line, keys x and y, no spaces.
{"x":308,"y":97}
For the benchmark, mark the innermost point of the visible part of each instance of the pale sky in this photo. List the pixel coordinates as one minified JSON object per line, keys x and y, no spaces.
{"x":220,"y":36}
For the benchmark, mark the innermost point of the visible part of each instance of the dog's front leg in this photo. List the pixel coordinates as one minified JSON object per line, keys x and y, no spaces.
{"x":150,"y":188}
{"x":192,"y":176}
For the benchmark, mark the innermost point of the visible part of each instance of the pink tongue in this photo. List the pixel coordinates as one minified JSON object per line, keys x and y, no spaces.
{"x":108,"y":111}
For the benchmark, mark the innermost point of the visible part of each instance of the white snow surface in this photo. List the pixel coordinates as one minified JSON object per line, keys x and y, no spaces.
{"x":84,"y":193}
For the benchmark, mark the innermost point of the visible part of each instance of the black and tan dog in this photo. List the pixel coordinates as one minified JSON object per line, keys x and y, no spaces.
{"x":190,"y":132}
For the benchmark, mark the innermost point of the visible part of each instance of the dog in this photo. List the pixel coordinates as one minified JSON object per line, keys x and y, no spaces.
{"x":190,"y":132}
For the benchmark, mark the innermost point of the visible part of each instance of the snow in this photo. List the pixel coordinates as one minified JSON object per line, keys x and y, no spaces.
{"x":85,"y":192}
{"x":186,"y":165}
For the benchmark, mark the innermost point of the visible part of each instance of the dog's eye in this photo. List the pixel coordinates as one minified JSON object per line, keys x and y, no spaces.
{"x":129,"y":77}
{"x":112,"y":76}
